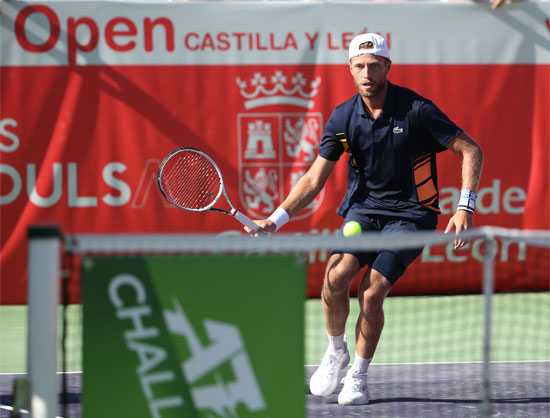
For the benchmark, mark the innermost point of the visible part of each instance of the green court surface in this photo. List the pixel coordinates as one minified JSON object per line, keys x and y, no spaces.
{"x":447,"y":329}
{"x":418,"y":330}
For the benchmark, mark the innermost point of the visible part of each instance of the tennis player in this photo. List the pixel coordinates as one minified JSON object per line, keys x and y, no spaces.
{"x":392,"y":135}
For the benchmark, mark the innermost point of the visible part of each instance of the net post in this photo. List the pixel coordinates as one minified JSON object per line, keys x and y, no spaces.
{"x":42,"y":300}
{"x":488,"y":280}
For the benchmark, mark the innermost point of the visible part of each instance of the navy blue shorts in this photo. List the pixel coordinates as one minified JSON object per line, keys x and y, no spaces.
{"x":390,"y":263}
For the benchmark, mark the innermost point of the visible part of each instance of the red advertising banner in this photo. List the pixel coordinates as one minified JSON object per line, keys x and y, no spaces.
{"x":95,"y":95}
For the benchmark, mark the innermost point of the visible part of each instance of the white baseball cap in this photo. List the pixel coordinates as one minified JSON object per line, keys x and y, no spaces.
{"x":380,"y":47}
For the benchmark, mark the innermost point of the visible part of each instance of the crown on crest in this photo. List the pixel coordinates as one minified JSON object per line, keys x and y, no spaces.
{"x":296,"y":90}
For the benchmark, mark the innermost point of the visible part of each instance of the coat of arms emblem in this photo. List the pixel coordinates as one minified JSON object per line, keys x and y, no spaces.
{"x":276,"y":149}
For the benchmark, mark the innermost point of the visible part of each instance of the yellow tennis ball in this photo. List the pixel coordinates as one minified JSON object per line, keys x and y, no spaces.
{"x":351,"y":228}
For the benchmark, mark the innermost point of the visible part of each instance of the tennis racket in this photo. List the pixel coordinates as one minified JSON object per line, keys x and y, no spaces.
{"x":191,"y":180}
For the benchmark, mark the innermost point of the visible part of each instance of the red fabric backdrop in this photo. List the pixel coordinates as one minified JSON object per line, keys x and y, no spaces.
{"x":81,"y":146}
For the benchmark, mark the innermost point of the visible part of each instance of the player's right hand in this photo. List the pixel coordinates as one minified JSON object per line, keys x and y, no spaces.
{"x":266,"y":227}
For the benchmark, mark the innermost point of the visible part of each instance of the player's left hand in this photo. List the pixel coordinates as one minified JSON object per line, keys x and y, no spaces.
{"x":461,"y":221}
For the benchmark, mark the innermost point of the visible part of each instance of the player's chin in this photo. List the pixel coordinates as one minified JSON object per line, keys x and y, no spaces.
{"x":369,"y":92}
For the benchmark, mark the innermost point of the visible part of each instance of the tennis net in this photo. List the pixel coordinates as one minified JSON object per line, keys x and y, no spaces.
{"x":467,"y":333}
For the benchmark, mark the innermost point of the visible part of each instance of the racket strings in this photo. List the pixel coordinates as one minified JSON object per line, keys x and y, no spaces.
{"x":191,"y":181}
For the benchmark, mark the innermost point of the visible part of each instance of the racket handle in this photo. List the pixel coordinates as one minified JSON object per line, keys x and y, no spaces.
{"x":245,"y":220}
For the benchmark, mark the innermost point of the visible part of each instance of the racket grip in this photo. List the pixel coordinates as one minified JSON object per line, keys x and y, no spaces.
{"x":245,"y":220}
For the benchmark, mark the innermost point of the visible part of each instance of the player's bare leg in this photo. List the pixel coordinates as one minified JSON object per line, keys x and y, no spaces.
{"x":341,"y":270}
{"x":373,"y":289}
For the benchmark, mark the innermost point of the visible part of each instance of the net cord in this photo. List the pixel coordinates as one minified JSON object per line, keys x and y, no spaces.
{"x":284,"y":243}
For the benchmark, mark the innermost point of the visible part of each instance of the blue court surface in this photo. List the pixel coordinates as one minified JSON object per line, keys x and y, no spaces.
{"x":519,"y":389}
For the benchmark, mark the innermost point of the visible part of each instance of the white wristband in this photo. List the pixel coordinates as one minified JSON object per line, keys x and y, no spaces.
{"x":467,"y":200}
{"x":279,"y":218}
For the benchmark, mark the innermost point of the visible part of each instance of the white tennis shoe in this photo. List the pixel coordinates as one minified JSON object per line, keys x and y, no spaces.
{"x":355,"y":391}
{"x":323,"y":382}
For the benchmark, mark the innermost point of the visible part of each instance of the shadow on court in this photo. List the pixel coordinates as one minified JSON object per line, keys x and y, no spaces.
{"x":398,"y":391}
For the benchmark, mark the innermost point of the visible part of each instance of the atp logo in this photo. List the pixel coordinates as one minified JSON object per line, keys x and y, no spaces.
{"x":203,"y":369}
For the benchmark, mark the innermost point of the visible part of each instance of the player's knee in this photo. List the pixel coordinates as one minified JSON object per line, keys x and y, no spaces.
{"x":335,"y":283}
{"x":339,"y":274}
{"x":371,"y":300}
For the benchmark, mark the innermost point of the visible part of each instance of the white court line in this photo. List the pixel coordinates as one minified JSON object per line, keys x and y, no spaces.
{"x":22,"y":374}
{"x":24,"y":411}
{"x":448,"y":362}
{"x":9,"y":408}
{"x":372,"y":364}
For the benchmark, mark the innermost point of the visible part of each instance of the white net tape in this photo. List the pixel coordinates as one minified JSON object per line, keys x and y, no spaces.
{"x":281,"y":242}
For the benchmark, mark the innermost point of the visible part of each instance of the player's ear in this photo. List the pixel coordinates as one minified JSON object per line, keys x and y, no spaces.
{"x":388,"y":66}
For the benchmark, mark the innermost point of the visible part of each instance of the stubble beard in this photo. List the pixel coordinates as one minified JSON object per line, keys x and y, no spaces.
{"x":377,"y":90}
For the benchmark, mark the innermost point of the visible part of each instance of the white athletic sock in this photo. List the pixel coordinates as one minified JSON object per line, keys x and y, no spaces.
{"x":336,"y":342}
{"x":360,"y":365}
